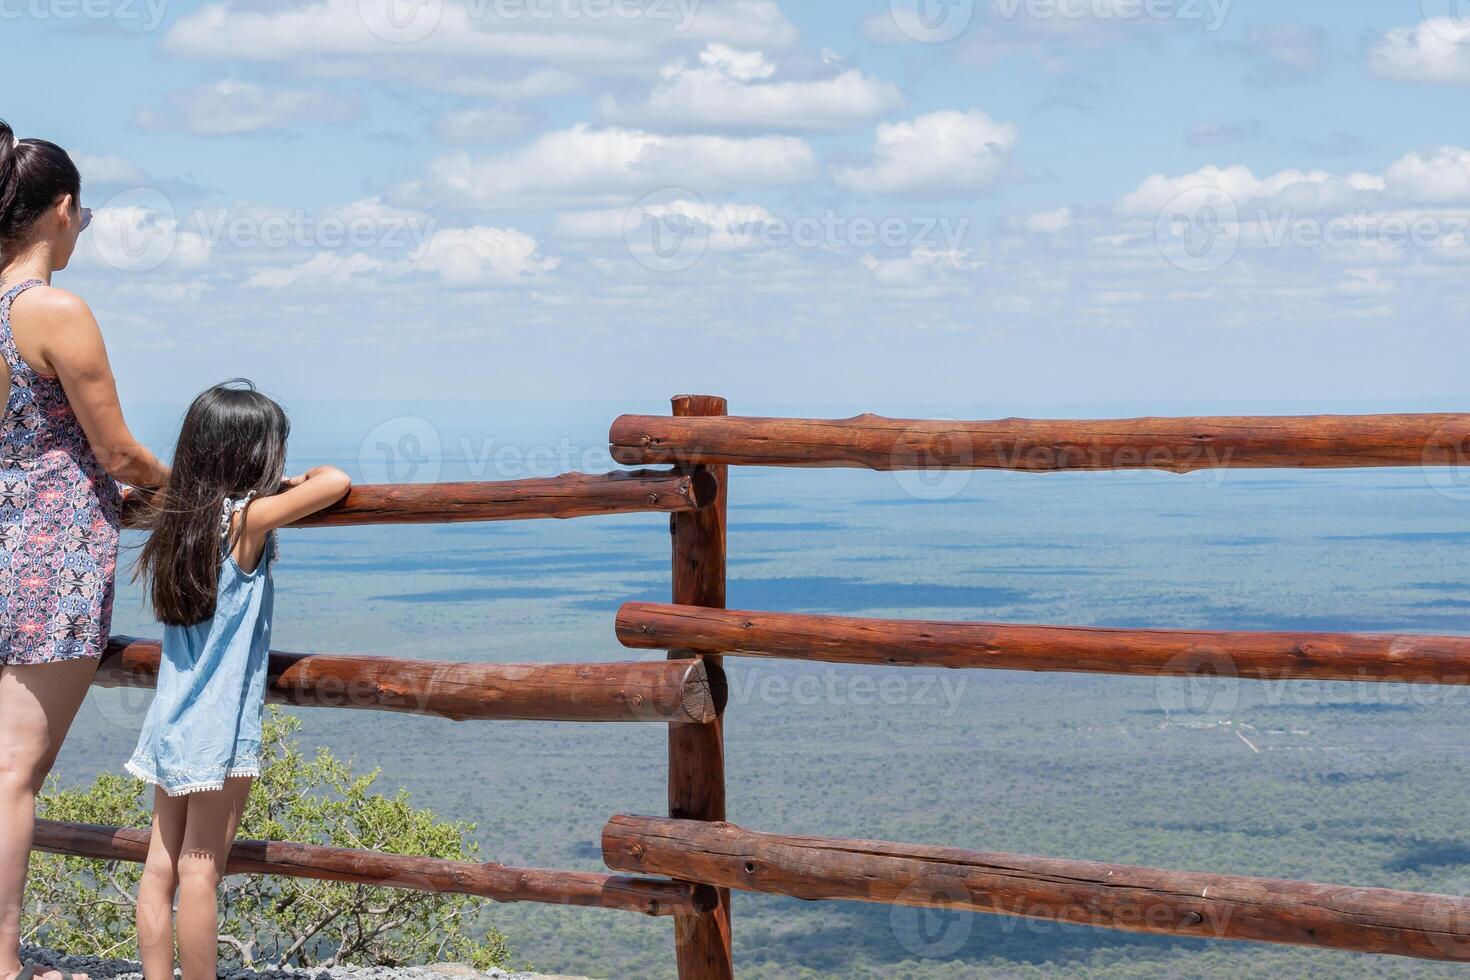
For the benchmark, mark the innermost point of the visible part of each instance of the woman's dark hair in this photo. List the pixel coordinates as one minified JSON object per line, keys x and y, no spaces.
{"x":34,"y":175}
{"x":233,"y":441}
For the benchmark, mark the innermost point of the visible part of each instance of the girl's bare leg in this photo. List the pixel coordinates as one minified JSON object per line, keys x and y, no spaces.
{"x":160,"y":882}
{"x":37,"y":705}
{"x":209,"y":830}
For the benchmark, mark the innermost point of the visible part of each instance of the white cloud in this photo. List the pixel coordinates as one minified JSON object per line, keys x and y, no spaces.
{"x":139,"y":233}
{"x":454,"y":39}
{"x":479,"y":256}
{"x":108,"y":169}
{"x":374,"y":212}
{"x":1050,"y":222}
{"x":742,"y":66}
{"x":1436,"y":50}
{"x":1441,"y":177}
{"x":543,"y":83}
{"x":922,"y":267}
{"x":733,"y":88}
{"x":725,"y":225}
{"x":589,"y":166}
{"x":940,"y":153}
{"x":322,"y":269}
{"x":483,"y":256}
{"x":230,"y":107}
{"x":488,"y":124}
{"x":1304,"y":190}
{"x":1364,"y":282}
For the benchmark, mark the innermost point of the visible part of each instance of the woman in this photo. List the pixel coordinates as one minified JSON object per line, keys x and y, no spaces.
{"x":63,"y":444}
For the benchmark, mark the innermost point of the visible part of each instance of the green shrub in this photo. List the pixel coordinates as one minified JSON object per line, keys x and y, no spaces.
{"x":87,"y":907}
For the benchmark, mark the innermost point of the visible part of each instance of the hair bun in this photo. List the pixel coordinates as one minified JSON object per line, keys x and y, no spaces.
{"x":30,"y":185}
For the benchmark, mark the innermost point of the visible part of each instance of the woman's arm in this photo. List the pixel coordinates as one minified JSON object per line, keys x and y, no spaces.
{"x":74,"y":351}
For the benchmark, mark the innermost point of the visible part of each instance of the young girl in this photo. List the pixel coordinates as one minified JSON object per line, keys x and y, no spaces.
{"x":207,"y":565}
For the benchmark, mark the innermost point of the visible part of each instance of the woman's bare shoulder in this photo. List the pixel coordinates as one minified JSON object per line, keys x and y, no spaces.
{"x":53,"y":303}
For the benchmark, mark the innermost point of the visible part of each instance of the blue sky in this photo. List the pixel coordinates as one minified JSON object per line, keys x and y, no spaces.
{"x":1024,"y":202}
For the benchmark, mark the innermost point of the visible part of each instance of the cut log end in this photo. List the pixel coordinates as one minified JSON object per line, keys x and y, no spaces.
{"x":705,"y":692}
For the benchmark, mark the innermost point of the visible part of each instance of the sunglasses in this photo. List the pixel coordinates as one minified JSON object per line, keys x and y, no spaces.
{"x":86,"y":219}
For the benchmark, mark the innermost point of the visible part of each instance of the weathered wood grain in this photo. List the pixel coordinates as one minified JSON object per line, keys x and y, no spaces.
{"x":565,"y":496}
{"x":1113,"y":896}
{"x":688,"y":691}
{"x":1178,"y":445}
{"x":697,"y":752}
{"x":423,"y":874}
{"x":1402,"y":658}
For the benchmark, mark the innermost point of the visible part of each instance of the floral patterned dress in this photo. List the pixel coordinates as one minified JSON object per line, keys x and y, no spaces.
{"x":59,"y":516}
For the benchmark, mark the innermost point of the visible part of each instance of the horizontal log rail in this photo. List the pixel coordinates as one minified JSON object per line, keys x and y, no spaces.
{"x":673,"y":691}
{"x":493,"y":881}
{"x":568,"y":495}
{"x":920,"y":643}
{"x":1113,"y":896}
{"x":1177,"y":445}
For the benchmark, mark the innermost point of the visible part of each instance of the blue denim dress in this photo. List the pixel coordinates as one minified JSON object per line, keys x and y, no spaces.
{"x":204,"y":723}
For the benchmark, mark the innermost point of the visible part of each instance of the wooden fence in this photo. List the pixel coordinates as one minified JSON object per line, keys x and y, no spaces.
{"x":687,"y":863}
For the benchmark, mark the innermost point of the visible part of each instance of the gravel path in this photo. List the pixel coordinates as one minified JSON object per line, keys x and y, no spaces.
{"x":99,"y":969}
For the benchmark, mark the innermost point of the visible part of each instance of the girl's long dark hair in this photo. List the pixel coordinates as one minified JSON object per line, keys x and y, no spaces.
{"x":34,"y":175}
{"x":233,"y":441}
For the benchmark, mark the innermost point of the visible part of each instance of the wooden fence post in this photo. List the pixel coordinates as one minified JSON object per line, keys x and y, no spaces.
{"x":697,"y":752}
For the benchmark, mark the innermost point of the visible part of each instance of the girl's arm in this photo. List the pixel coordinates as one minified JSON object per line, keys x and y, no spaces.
{"x":74,"y":351}
{"x":303,"y":495}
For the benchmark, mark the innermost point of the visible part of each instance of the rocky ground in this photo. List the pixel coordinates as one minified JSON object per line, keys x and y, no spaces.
{"x":99,"y":969}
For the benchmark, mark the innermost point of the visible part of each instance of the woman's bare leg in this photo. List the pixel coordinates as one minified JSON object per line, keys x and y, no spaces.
{"x":37,"y":705}
{"x":160,"y":882}
{"x":209,"y":830}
